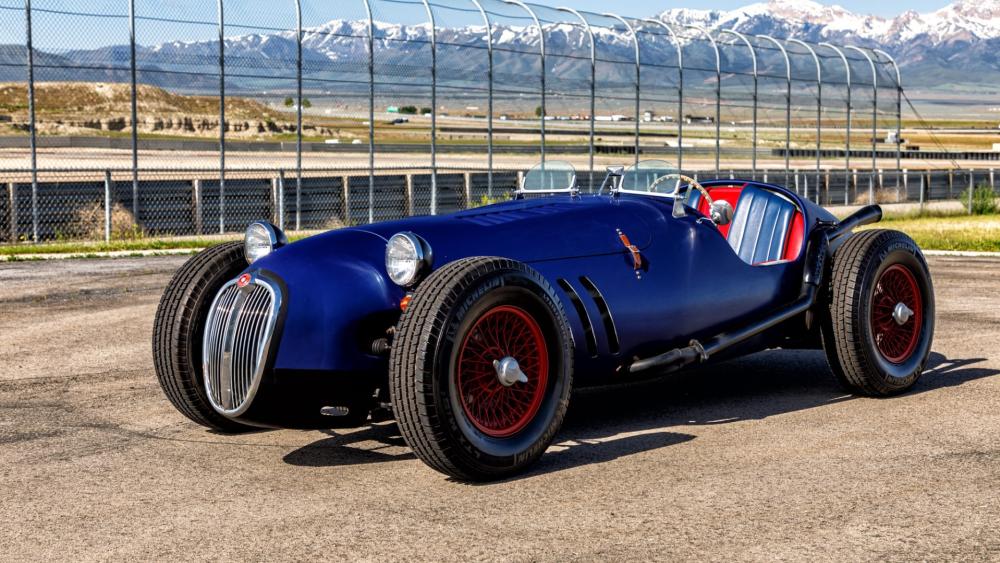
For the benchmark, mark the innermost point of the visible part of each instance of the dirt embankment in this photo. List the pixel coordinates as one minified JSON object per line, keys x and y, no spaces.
{"x":81,"y":108}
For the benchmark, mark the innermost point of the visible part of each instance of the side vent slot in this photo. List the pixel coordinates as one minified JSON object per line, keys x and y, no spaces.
{"x":609,"y":323}
{"x":581,"y":311}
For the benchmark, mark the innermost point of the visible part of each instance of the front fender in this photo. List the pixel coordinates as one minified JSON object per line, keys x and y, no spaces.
{"x":338,"y":301}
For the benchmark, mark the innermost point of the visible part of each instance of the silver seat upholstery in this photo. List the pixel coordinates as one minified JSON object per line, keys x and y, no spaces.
{"x":760,"y":227}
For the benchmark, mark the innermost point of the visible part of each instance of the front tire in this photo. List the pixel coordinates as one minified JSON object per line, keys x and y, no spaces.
{"x":178,"y":328}
{"x":472,"y":330}
{"x":881,"y":318}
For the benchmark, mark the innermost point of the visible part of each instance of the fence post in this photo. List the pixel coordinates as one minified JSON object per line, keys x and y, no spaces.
{"x":346,"y":185}
{"x":489,"y":102}
{"x":468,"y":190}
{"x":12,"y":194}
{"x":951,"y":183}
{"x":135,"y":113}
{"x":298,"y":200}
{"x":906,"y":183}
{"x":281,"y":199}
{"x":434,"y":108}
{"x":33,"y":137}
{"x":222,"y":118}
{"x":923,"y":188}
{"x":993,"y":185}
{"x":409,"y":195}
{"x":972,"y":188}
{"x":198,"y":216}
{"x":371,"y":114}
{"x":298,"y":120}
{"x":854,"y":184}
{"x":107,"y":206}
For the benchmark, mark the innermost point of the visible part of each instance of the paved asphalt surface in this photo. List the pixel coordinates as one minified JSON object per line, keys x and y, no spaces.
{"x":759,"y":459}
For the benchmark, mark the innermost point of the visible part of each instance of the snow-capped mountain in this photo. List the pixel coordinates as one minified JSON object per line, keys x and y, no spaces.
{"x":956,"y":44}
{"x":964,"y":20}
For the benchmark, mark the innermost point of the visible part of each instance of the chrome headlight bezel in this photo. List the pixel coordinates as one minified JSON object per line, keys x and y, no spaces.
{"x":261,"y":239}
{"x":407,"y":259}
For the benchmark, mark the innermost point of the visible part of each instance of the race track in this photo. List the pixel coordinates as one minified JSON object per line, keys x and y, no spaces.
{"x":762,"y":458}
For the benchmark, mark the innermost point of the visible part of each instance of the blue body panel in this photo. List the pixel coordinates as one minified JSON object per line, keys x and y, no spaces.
{"x":693,"y":285}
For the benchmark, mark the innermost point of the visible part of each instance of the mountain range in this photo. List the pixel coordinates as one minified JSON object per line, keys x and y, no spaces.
{"x":952,"y":48}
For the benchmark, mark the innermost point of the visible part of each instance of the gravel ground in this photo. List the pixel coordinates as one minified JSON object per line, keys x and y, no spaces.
{"x":758,"y":459}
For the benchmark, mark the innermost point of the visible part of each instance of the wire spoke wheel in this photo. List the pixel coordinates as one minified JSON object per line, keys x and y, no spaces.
{"x":897,"y":313}
{"x":496,"y":408}
{"x":879,"y":327}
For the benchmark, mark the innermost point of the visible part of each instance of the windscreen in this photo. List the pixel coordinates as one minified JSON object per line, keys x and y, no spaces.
{"x":550,"y":176}
{"x":644,"y":177}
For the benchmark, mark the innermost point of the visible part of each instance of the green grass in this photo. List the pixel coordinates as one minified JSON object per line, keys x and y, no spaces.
{"x":978,"y":233}
{"x":92,"y":249}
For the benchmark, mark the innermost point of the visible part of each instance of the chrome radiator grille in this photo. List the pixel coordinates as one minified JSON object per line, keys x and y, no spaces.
{"x":236,"y":341}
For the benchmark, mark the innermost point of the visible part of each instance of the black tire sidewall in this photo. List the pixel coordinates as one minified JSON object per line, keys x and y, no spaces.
{"x":518,"y":289}
{"x":179,"y":326}
{"x":201,"y":296}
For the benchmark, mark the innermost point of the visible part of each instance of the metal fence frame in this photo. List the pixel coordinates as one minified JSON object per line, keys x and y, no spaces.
{"x":874,"y":57}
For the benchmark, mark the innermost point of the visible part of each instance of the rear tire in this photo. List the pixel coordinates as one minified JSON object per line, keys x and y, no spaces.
{"x":178,"y":328}
{"x":881,"y":313}
{"x":454,"y":410}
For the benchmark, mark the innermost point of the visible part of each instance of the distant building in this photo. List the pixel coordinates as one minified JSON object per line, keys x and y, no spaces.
{"x":698,"y":119}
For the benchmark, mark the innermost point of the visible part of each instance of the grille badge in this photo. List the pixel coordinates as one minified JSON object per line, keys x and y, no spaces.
{"x":244,"y":280}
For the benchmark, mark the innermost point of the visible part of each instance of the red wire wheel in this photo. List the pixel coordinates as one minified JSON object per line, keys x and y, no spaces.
{"x":497,"y":410}
{"x":895,"y":341}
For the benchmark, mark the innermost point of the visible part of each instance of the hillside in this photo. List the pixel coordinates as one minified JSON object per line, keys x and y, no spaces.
{"x":81,"y":108}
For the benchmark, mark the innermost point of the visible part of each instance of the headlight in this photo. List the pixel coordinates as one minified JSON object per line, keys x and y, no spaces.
{"x":407,"y":258}
{"x":261,"y":239}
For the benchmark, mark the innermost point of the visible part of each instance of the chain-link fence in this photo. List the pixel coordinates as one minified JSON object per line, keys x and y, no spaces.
{"x":130,"y":118}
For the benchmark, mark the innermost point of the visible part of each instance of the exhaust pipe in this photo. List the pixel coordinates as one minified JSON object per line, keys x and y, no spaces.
{"x":812,"y":279}
{"x":865,"y":216}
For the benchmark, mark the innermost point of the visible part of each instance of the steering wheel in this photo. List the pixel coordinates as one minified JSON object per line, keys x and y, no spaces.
{"x":691,"y":182}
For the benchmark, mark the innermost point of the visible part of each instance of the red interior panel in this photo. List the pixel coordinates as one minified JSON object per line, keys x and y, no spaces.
{"x":795,"y":235}
{"x":725,"y":193}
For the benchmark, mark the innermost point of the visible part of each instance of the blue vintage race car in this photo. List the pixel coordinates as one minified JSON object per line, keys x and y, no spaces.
{"x":472,"y":329}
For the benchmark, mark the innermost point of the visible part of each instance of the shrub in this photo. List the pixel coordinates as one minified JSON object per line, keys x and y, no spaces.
{"x":487,"y":200}
{"x":984,"y":201}
{"x":885,"y":195}
{"x":89,"y":224}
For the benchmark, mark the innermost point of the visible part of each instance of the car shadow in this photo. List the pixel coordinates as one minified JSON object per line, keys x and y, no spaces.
{"x":611,"y":422}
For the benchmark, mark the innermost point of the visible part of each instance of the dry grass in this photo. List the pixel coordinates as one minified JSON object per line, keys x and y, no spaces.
{"x":89,"y":224}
